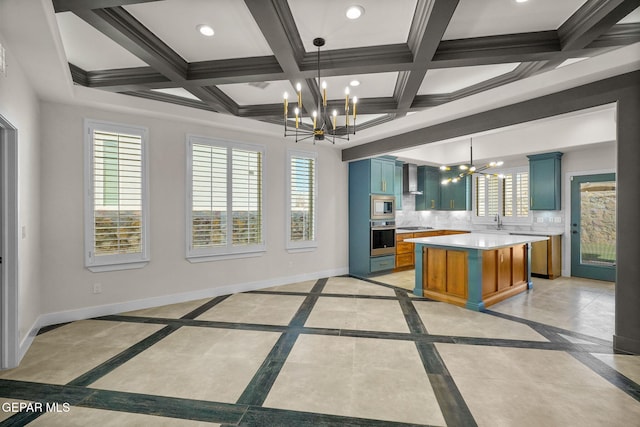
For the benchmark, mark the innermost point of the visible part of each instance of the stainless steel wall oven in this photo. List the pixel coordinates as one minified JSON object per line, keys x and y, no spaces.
{"x":383,"y":238}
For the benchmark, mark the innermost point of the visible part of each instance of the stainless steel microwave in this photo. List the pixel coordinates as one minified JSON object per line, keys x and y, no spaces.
{"x":383,"y":207}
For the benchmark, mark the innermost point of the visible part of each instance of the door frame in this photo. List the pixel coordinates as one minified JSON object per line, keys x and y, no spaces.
{"x":569,"y":228}
{"x":9,"y":332}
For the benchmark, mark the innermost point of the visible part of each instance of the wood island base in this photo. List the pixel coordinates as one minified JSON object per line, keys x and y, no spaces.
{"x":472,"y":278}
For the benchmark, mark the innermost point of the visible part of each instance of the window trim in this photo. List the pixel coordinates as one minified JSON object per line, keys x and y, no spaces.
{"x":120,"y":261}
{"x":306,"y":245}
{"x":507,"y":220}
{"x":228,"y":251}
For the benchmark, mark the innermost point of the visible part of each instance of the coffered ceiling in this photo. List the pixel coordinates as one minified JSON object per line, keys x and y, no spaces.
{"x":408,"y":55}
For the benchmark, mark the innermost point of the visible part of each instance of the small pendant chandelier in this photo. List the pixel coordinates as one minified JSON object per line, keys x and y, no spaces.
{"x":322,"y":125}
{"x":470,"y":169}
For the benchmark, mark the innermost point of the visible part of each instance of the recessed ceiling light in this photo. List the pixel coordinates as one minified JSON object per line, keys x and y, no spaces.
{"x":354,"y":83}
{"x":205,"y":30}
{"x":521,"y":1}
{"x":355,"y":12}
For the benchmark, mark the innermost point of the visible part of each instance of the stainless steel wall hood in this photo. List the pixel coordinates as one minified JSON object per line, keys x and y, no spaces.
{"x":410,"y":179}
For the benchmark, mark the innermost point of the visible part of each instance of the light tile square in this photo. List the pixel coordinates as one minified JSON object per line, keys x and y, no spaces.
{"x":82,"y":417}
{"x":256,"y":309}
{"x":194,"y":363}
{"x":305,"y":286}
{"x":356,"y":377}
{"x":357,"y":313}
{"x":530,"y":387}
{"x":627,"y":365}
{"x":353,"y":286}
{"x":172,"y":311}
{"x":60,"y":355}
{"x":445,"y":319}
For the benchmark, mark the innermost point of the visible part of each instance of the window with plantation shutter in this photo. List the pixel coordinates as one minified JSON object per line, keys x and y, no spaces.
{"x":506,"y":194}
{"x":301,"y":202}
{"x":115,"y":207}
{"x":224,"y":206}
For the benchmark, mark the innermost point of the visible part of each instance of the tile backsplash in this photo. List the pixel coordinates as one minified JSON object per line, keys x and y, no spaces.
{"x":540,"y":220}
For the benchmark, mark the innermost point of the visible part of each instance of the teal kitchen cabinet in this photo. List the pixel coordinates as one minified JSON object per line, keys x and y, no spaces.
{"x":367,"y":177}
{"x":455,"y":196}
{"x":429,"y":185}
{"x":545,"y":181}
{"x":397,"y":185}
{"x":383,"y":176}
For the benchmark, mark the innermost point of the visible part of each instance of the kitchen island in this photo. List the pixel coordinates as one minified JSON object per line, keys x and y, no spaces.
{"x":473,"y":270}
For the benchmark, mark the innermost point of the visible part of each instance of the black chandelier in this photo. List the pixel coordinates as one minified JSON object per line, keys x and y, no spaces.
{"x":322,"y":125}
{"x":470,"y":169}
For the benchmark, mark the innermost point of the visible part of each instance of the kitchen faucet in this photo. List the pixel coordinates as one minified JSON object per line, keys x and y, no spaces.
{"x":498,"y":220}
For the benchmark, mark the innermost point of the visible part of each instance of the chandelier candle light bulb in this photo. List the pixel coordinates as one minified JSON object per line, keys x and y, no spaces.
{"x":286,"y":105}
{"x":324,"y":94}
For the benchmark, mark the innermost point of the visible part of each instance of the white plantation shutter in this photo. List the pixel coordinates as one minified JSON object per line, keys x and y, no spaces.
{"x":481,"y":195}
{"x":302,"y":199}
{"x":509,"y":196}
{"x":522,"y":194}
{"x":225,"y":198}
{"x":492,"y":195}
{"x":209,"y":196}
{"x":246,"y":197}
{"x":116,"y":205}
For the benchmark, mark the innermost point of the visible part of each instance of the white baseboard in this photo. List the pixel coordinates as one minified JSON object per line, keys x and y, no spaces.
{"x":121,"y":307}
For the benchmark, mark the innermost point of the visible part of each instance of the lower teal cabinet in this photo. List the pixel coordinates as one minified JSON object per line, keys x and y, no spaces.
{"x":382,"y":263}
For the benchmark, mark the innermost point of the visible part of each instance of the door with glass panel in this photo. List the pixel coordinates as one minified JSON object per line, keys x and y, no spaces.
{"x":593,"y":226}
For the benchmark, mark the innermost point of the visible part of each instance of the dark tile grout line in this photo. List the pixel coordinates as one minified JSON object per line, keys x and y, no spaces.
{"x":425,"y":344}
{"x":121,"y":358}
{"x":258,"y":388}
{"x":205,"y":307}
{"x":452,"y":405}
{"x":614,"y":377}
{"x":325,"y":295}
{"x":533,"y":324}
{"x":180,"y":408}
{"x":108,"y":366}
{"x":48,"y":328}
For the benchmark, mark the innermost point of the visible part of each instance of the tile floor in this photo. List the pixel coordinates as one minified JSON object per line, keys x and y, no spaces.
{"x":338,"y":351}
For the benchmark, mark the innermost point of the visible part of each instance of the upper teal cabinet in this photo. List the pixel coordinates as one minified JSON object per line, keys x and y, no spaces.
{"x":545,"y":181}
{"x":398,"y":184}
{"x":429,"y":185}
{"x":455,"y":196}
{"x":383,"y":176}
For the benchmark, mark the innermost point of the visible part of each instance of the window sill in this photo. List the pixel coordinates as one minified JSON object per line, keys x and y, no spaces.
{"x":116,"y":267}
{"x":195,"y":259}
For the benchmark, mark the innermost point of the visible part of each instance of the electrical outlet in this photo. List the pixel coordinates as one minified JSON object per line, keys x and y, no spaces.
{"x":540,"y":219}
{"x":97,"y":288}
{"x":558,"y":219}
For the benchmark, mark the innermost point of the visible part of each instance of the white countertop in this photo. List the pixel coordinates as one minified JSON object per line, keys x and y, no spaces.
{"x":404,"y":230}
{"x":401,"y":230}
{"x":483,"y":241}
